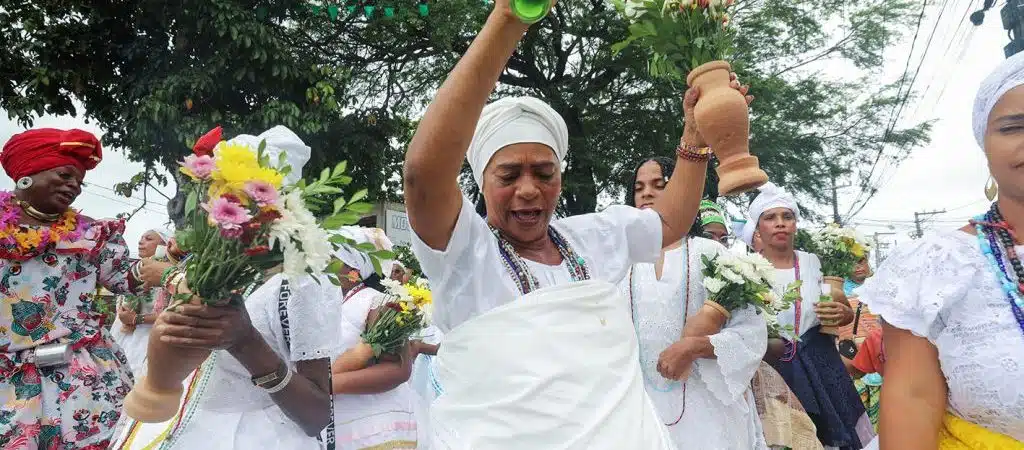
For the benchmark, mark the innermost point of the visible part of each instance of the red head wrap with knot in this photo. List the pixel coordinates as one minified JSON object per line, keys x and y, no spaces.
{"x":34,"y":151}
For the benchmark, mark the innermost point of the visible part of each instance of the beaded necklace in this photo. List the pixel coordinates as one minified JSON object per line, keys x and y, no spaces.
{"x":516,"y":266}
{"x":352,"y":292}
{"x":790,"y":347}
{"x":994,"y":237}
{"x":686,"y":313}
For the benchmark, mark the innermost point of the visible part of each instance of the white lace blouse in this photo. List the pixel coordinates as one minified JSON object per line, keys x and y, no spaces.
{"x":719,"y":407}
{"x":942,"y":288}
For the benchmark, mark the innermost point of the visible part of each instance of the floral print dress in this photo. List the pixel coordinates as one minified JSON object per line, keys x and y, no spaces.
{"x":48,"y":298}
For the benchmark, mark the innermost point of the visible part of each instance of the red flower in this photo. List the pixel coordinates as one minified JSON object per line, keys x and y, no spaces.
{"x":257,"y":250}
{"x":394,"y":306}
{"x":206,"y":143}
{"x":267,"y":215}
{"x":232,"y":198}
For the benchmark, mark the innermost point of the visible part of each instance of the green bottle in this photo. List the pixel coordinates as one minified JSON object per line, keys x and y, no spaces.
{"x":531,"y":11}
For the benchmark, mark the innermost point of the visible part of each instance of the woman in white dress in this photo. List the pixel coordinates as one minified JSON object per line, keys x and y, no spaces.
{"x":283,"y":338}
{"x":951,"y":306}
{"x":811,"y":366}
{"x":374,"y":408}
{"x":539,"y":350}
{"x":137,"y":313}
{"x":714,"y":407}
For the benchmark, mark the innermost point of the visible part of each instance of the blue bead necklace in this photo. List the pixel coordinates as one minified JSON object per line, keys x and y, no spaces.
{"x":995,"y":238}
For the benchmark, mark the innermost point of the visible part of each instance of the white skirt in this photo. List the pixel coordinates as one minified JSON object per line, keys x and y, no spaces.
{"x":556,"y":369}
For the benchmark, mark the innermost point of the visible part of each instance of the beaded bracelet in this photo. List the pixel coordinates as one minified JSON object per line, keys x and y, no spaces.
{"x":695,"y":154}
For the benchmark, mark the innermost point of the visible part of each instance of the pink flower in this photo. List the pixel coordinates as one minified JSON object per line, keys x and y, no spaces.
{"x":198,"y":166}
{"x":226,"y":213}
{"x":261,"y":191}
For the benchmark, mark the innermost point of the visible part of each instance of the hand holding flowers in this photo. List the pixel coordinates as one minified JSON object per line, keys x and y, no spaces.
{"x":403,"y":312}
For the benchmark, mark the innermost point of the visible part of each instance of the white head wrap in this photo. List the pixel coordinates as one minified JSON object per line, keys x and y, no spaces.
{"x":1007,"y":76}
{"x":164,"y":234}
{"x":515,"y":120}
{"x":280,"y":140}
{"x":771,"y":197}
{"x":746,"y":232}
{"x":353,"y":257}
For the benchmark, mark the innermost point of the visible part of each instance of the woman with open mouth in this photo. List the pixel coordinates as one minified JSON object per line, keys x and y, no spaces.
{"x":539,"y":348}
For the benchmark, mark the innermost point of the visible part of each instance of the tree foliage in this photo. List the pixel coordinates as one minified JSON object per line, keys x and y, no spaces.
{"x":158,"y":75}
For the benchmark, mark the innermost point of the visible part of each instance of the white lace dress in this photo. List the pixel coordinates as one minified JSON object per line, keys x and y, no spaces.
{"x":941,"y":288}
{"x":232,"y":413}
{"x":720,"y":413}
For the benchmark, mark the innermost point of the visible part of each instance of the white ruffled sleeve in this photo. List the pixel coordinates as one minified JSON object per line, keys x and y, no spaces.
{"x":921,"y":280}
{"x":738,"y":349}
{"x":314,"y":320}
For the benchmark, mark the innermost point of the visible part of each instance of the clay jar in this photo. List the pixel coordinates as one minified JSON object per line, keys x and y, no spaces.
{"x":838,"y":294}
{"x":155,"y":398}
{"x":724,"y":121}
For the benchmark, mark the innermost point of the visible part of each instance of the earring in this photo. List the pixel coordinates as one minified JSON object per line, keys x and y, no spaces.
{"x":991,"y":189}
{"x":24,"y":182}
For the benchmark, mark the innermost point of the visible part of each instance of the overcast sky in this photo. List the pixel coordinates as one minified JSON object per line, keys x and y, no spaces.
{"x":948,"y":174}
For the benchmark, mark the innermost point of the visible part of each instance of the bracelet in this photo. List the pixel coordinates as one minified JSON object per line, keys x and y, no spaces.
{"x":692,"y":153}
{"x":135,"y":270}
{"x":283,"y":384}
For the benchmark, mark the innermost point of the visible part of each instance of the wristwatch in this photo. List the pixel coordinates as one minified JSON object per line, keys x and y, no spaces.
{"x":269,"y":380}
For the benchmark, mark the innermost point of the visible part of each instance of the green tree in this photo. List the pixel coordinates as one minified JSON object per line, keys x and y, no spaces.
{"x":157,"y":75}
{"x":806,"y":129}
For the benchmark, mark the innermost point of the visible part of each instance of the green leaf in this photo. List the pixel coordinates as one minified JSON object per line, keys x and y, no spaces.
{"x":360,"y":208}
{"x":383,"y":254}
{"x":359,"y":195}
{"x":340,"y":168}
{"x":191,"y":202}
{"x":338,"y":204}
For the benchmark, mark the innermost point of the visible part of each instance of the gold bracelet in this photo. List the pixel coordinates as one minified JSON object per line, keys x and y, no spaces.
{"x":719,"y":308}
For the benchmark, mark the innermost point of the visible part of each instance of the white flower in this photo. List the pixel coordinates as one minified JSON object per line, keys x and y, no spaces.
{"x":633,"y":9}
{"x":714,"y":285}
{"x":390,"y":285}
{"x":730,"y":275}
{"x":771,"y":320}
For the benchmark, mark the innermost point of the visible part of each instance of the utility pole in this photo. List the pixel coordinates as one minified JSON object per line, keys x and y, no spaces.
{"x":918,"y":216}
{"x":879,"y":246}
{"x":835,"y":200}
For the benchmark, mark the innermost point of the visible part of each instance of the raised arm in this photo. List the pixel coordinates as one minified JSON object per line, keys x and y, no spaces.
{"x":684,"y":190}
{"x":435,"y":155}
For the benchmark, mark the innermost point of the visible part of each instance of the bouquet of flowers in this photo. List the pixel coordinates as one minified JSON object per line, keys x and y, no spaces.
{"x":735,"y":281}
{"x":679,"y":34}
{"x":404,"y":311}
{"x":839,"y":250}
{"x":241,"y":218}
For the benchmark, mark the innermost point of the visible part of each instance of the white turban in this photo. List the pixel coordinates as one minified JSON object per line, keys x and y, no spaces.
{"x":280,"y":140}
{"x":351,"y":256}
{"x":771,"y":197}
{"x":515,"y":120}
{"x":745,"y":231}
{"x":165,"y":235}
{"x":1007,"y":76}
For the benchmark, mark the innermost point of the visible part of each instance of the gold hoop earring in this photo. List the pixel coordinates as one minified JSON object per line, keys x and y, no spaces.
{"x":991,"y":189}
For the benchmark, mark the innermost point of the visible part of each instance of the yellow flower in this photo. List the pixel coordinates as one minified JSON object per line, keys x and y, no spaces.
{"x":405,"y":306}
{"x":235,"y":165}
{"x":420,"y":296}
{"x":399,"y":321}
{"x":29,"y":239}
{"x":857,"y":250}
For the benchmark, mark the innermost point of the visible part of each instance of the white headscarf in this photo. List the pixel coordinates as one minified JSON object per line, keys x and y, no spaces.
{"x":1007,"y":76}
{"x":353,"y":257}
{"x":280,"y":140}
{"x":515,"y":120}
{"x":165,"y":235}
{"x":746,"y":232}
{"x":771,"y":197}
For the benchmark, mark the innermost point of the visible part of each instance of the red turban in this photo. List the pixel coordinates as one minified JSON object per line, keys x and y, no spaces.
{"x":34,"y":151}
